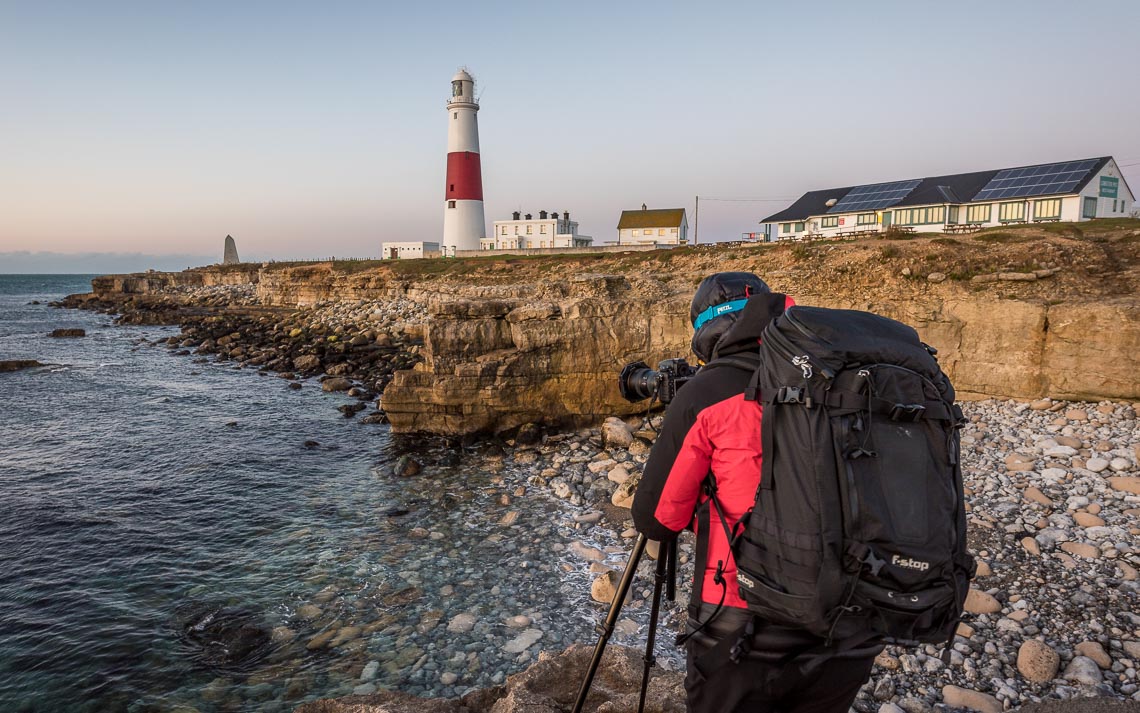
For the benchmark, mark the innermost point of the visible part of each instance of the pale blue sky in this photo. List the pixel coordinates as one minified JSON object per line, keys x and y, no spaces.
{"x":309,"y":129}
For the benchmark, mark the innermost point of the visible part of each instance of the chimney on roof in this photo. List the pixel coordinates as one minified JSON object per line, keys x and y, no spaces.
{"x":566,"y":215}
{"x":554,"y":215}
{"x":542,"y":215}
{"x":515,"y":215}
{"x":643,"y":207}
{"x":528,"y":216}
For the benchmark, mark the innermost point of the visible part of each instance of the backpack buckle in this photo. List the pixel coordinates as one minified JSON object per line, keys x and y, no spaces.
{"x":790,"y":395}
{"x":907,"y":412}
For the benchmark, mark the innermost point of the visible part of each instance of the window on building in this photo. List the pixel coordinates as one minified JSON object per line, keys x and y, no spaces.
{"x":660,"y":231}
{"x":866,"y":219}
{"x":799,"y":227}
{"x":529,"y":229}
{"x":829,"y":221}
{"x":673,"y":231}
{"x":1089,"y":209}
{"x":953,"y":214}
{"x":978,"y":213}
{"x":1114,"y":206}
{"x":451,"y":204}
{"x":504,"y":230}
{"x":920,"y":216}
{"x":542,"y":229}
{"x":454,"y":115}
{"x":1011,"y":212}
{"x":637,"y":232}
{"x":1047,"y":209}
{"x":516,"y":230}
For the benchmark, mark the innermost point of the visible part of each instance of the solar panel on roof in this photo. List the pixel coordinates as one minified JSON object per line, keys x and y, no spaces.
{"x":873,"y":197}
{"x":1044,"y":180}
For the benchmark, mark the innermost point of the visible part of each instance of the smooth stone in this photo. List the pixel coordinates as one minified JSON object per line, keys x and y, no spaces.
{"x":978,"y":602}
{"x":523,"y":641}
{"x":1081,"y":549}
{"x":1083,"y":670}
{"x":1096,"y":652}
{"x":956,"y":697}
{"x":1037,"y":661}
{"x":461,"y":623}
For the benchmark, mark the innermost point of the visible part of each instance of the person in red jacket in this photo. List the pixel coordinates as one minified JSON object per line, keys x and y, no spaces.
{"x":710,"y":428}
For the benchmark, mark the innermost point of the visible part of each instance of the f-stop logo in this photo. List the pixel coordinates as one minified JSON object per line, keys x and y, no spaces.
{"x":745,"y":580}
{"x":909,"y":563}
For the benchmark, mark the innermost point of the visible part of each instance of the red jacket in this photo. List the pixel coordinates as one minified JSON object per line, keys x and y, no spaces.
{"x":709,"y":427}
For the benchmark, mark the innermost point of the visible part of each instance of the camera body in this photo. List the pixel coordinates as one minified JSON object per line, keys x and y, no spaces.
{"x":638,"y":382}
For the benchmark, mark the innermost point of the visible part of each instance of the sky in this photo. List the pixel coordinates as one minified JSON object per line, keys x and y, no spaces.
{"x":150,"y":130}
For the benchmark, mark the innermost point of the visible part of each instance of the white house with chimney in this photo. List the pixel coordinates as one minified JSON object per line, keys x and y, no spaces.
{"x":525,"y":232}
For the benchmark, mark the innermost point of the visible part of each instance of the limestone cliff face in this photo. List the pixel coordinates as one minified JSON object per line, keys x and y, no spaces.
{"x":495,"y":364}
{"x":111,"y":287}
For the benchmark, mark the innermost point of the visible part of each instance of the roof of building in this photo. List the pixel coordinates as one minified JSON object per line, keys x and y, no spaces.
{"x":955,"y":188}
{"x":657,"y":218}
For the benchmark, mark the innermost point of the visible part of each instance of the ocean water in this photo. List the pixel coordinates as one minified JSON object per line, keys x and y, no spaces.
{"x":143,"y":494}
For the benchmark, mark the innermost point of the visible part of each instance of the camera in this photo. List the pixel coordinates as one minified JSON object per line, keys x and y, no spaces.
{"x":638,"y":382}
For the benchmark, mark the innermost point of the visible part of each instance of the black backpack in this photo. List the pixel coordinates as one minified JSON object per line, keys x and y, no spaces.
{"x":858,"y":533}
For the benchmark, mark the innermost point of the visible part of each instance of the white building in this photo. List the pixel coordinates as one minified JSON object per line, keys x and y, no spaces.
{"x":1067,"y":191}
{"x":526,"y":233}
{"x":667,"y":226}
{"x":408,"y":250}
{"x":463,"y":221}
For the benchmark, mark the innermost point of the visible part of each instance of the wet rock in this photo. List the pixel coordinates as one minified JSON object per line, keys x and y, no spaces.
{"x":405,"y":467}
{"x":523,"y":641}
{"x":336,"y":384}
{"x":18,"y":364}
{"x":461,"y":623}
{"x":67,"y":333}
{"x":224,"y":636}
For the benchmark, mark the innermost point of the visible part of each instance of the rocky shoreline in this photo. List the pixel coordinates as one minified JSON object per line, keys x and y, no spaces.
{"x":1053,"y":494}
{"x":350,"y":348}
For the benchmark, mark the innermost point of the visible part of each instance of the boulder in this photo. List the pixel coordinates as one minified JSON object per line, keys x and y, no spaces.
{"x":1125,"y":484}
{"x":616,"y":434}
{"x":406,"y":467}
{"x":307,"y":363}
{"x":1037,"y":661}
{"x":18,"y":364}
{"x":603,"y":588}
{"x":336,"y":384}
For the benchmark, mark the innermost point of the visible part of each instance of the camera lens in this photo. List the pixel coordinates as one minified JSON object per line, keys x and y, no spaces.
{"x":637,"y":381}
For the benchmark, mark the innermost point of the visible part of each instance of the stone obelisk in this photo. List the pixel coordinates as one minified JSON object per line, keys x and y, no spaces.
{"x":230,"y":257}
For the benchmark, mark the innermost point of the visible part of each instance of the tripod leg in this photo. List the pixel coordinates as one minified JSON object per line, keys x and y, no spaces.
{"x":663,"y":558}
{"x":606,"y":630}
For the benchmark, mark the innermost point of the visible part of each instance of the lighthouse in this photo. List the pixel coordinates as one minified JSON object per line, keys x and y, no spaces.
{"x":463,"y":221}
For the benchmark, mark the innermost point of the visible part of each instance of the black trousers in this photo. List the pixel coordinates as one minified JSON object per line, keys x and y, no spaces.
{"x":756,"y":686}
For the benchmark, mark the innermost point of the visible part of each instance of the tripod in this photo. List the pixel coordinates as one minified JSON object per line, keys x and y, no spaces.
{"x":665,"y":574}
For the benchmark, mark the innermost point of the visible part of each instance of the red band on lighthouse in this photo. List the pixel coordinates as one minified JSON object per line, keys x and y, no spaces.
{"x":464,"y":179}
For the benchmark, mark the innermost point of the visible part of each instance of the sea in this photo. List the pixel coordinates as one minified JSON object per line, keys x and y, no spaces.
{"x":177,"y":534}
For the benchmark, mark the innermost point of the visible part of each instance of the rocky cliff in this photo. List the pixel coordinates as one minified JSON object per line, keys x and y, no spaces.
{"x":1024,"y":313}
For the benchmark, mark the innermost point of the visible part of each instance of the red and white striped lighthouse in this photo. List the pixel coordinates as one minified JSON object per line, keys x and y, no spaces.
{"x":463,"y":221}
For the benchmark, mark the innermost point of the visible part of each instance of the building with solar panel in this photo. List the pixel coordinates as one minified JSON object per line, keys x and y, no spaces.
{"x":1066,"y":191}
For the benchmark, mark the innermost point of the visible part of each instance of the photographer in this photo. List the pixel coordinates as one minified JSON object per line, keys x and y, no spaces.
{"x":710,"y":428}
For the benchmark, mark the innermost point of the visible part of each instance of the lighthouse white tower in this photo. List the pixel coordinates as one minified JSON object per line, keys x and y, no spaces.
{"x":463,"y":221}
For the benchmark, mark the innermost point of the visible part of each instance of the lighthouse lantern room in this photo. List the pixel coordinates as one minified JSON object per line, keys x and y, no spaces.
{"x":463,"y":220}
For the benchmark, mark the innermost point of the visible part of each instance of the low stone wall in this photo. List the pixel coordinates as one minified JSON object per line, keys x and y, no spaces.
{"x":594,"y":250}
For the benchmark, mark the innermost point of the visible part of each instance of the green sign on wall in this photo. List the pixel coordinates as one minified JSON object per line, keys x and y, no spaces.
{"x":1109,"y":186}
